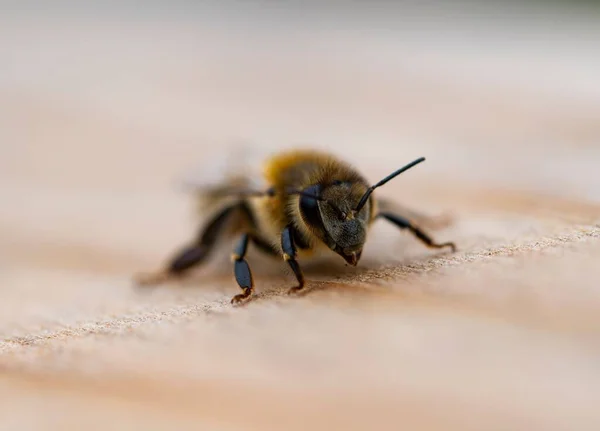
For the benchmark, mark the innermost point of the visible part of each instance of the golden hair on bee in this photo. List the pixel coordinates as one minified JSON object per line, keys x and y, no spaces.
{"x":312,"y":202}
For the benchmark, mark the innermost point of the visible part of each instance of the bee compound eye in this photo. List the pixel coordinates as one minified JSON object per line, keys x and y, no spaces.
{"x":309,"y":206}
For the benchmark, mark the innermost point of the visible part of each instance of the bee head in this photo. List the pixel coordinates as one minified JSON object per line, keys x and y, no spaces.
{"x":339,"y":213}
{"x":329,"y":211}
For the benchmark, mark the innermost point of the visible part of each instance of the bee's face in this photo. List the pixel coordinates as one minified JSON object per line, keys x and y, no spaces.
{"x":334,"y":220}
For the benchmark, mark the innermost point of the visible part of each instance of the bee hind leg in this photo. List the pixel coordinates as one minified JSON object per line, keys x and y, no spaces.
{"x":192,"y":255}
{"x":404,"y":223}
{"x":289,"y":255}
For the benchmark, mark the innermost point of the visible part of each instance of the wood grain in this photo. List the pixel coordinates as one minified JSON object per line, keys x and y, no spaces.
{"x":100,"y":120}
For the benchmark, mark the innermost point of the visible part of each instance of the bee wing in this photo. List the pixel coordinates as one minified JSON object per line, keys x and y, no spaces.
{"x":233,"y":168}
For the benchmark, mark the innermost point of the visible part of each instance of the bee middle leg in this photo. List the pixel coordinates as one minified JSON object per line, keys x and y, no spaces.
{"x":241,"y":269}
{"x":404,"y":223}
{"x":289,"y":255}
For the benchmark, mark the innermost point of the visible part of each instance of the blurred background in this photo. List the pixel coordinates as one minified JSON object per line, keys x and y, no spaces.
{"x":106,"y":108}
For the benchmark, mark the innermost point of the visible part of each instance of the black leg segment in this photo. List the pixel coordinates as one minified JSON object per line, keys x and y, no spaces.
{"x":187,"y":258}
{"x":241,"y":269}
{"x":404,"y":223}
{"x":289,"y":254}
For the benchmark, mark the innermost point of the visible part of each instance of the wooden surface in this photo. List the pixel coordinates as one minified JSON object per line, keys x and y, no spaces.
{"x":103,"y":113}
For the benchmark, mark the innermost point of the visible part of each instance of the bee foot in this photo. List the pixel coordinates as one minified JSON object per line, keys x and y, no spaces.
{"x":451,"y":245}
{"x":296,"y":290}
{"x":240,"y":298}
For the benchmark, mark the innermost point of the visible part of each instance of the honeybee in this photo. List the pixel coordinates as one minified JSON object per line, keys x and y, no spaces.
{"x":312,"y":202}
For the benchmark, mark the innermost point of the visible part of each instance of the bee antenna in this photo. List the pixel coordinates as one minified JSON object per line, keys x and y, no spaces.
{"x":365,"y":197}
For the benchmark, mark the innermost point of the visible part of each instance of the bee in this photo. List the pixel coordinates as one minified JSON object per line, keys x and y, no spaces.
{"x":312,"y":202}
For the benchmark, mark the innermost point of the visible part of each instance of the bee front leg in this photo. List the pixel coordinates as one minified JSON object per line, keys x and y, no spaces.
{"x":404,"y":223}
{"x":241,"y":269}
{"x":289,"y":255}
